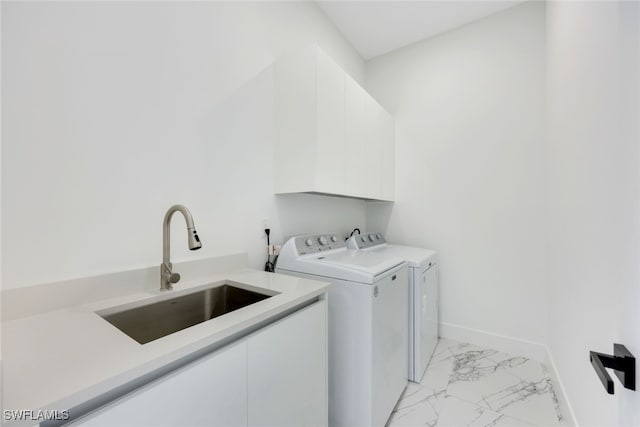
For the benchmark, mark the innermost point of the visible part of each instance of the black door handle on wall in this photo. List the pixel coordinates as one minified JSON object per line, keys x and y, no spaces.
{"x":622,"y":362}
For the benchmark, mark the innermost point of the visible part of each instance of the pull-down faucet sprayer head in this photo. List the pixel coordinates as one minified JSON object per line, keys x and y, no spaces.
{"x":194,"y":240}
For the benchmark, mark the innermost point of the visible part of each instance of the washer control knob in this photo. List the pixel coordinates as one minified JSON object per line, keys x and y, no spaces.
{"x":362,"y":239}
{"x":309,"y":242}
{"x":334,"y":239}
{"x":371,"y":238}
{"x":322,"y":240}
{"x":378,"y":236}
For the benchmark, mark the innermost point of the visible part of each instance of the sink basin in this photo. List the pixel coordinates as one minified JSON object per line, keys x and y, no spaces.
{"x":152,"y":321}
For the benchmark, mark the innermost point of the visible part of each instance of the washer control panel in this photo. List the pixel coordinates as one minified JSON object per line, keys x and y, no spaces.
{"x":318,"y":243}
{"x":367,"y":240}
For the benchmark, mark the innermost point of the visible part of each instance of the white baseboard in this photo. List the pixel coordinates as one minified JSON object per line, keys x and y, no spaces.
{"x":569,"y":417}
{"x":516,"y":346}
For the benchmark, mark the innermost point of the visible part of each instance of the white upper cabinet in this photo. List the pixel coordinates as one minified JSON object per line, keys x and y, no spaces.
{"x":375,"y":146}
{"x":355,"y":102}
{"x":332,"y":137}
{"x":330,"y":143}
{"x":387,"y":131}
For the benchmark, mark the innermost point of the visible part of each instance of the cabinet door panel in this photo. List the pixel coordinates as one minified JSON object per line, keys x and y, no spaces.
{"x":295,"y":122}
{"x":288,"y":371}
{"x":211,"y":391}
{"x":388,"y":160}
{"x":355,"y":138}
{"x":374,"y":148}
{"x":330,"y":160}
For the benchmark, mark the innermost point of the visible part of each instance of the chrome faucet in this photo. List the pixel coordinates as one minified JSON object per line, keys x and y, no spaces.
{"x":168,"y":277}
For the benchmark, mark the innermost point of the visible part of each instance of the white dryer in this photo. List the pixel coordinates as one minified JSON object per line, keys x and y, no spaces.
{"x":423,"y":295}
{"x":368,"y":337}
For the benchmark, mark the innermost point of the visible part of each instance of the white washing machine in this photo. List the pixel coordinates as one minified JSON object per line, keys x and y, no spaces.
{"x":368,"y":337}
{"x":423,"y":295}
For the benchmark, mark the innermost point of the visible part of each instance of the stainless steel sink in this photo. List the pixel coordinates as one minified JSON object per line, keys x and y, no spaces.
{"x":150,"y":322}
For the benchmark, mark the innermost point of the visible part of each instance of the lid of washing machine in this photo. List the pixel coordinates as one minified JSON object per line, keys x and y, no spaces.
{"x":353,"y":266}
{"x":375,"y":242}
{"x":349,"y":265}
{"x":415,"y":257}
{"x":372,"y":263}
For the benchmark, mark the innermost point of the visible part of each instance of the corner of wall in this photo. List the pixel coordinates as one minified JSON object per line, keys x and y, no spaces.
{"x":532,"y":350}
{"x":569,"y":417}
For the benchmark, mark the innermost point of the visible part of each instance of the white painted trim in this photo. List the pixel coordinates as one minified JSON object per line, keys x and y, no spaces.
{"x":532,"y":350}
{"x":568,"y":416}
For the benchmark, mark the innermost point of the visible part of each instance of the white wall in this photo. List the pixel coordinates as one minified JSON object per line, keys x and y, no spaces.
{"x":594,"y":192}
{"x":0,"y":213}
{"x":469,"y":110}
{"x":112,"y":112}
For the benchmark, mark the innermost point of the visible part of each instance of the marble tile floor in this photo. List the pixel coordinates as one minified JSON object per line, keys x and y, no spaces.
{"x":467,"y":385}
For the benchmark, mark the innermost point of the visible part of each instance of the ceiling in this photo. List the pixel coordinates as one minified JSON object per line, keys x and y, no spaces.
{"x":378,"y":27}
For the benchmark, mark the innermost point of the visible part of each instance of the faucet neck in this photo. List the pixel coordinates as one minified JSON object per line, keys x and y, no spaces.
{"x":166,"y":230}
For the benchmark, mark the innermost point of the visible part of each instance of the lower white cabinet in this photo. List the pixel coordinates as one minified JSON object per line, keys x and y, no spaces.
{"x":276,"y":376}
{"x":288,"y":371}
{"x":210,"y":391}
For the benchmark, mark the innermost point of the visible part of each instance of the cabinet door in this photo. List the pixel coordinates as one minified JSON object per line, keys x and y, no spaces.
{"x":388,"y":160}
{"x":295,"y":121}
{"x":330,"y":158}
{"x":355,"y":138}
{"x":288,"y":371}
{"x":374,"y":146}
{"x":211,"y":391}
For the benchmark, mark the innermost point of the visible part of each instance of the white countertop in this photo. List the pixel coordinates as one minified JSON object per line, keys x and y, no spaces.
{"x":58,"y":359}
